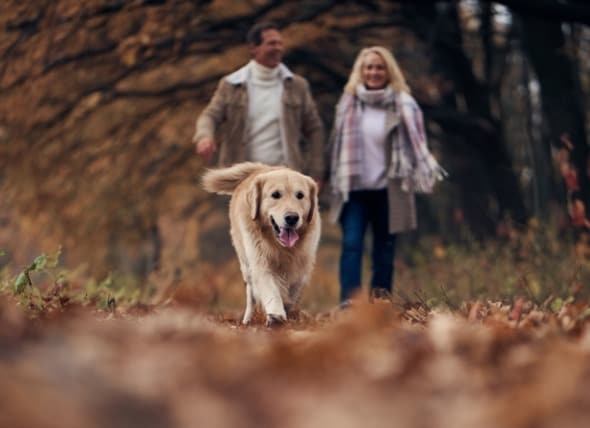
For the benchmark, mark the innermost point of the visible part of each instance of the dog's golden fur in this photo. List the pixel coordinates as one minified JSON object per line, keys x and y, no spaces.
{"x":275,"y":229}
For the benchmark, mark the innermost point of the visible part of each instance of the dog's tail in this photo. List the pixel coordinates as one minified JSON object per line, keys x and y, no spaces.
{"x":225,"y":180}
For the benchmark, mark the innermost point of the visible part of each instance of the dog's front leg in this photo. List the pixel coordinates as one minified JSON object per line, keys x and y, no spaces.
{"x":249,"y":305}
{"x":270,"y":297}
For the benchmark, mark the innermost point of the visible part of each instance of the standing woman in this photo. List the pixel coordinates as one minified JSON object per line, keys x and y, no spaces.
{"x":379,"y":159}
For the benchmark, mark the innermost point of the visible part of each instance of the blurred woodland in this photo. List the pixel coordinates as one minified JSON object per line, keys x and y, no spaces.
{"x":120,"y":294}
{"x":99,"y":98}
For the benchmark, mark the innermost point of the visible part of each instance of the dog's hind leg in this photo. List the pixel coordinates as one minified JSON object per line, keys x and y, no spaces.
{"x":249,"y":305}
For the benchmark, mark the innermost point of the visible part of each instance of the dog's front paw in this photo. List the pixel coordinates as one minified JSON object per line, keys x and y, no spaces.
{"x":247,"y":317}
{"x":273,"y":321}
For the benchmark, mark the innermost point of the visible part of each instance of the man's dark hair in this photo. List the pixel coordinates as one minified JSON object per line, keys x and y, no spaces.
{"x":254,"y":36}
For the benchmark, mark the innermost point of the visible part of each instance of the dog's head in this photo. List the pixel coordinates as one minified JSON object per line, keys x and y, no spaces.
{"x":286,"y":201}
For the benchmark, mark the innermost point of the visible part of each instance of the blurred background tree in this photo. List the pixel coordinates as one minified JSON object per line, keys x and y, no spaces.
{"x":99,"y":98}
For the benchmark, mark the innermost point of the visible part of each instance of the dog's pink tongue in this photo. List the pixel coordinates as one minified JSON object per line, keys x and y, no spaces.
{"x":288,"y":237}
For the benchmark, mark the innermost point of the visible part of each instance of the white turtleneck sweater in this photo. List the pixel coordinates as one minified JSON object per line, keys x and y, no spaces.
{"x":265,"y":89}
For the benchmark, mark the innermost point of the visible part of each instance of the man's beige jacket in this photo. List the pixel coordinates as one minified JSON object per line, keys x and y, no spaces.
{"x":302,"y":132}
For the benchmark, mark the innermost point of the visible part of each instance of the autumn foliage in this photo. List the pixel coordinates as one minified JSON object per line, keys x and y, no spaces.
{"x":376,"y":363}
{"x":120,"y":295}
{"x":455,"y":345}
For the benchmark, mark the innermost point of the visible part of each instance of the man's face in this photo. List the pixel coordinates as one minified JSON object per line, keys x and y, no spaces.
{"x":270,"y":52}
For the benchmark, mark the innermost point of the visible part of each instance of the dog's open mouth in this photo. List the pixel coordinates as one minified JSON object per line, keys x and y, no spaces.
{"x":287,"y":235}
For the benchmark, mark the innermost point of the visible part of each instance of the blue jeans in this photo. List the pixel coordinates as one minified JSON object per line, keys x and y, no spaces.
{"x":366,"y":207}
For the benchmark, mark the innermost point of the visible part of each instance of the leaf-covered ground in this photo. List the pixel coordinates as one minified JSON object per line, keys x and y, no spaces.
{"x":379,"y":364}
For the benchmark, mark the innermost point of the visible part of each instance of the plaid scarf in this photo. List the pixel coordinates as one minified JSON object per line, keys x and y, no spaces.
{"x":347,"y":153}
{"x":410,"y":159}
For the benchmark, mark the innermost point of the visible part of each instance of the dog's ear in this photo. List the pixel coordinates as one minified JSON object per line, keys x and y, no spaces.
{"x":253,"y":197}
{"x":313,"y":198}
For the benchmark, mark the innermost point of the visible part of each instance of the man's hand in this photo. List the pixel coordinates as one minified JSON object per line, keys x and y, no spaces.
{"x":206,"y":148}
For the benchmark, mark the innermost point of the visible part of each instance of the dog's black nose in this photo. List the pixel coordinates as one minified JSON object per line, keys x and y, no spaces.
{"x":291,"y":219}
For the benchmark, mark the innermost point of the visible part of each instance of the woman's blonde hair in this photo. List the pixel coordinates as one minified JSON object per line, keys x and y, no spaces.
{"x":396,"y":78}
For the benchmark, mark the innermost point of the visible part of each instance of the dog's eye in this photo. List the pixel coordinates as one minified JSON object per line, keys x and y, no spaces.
{"x":276,"y":195}
{"x":299,"y":195}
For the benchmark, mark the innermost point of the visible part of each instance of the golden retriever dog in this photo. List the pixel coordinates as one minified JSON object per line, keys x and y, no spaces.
{"x":275,"y":230}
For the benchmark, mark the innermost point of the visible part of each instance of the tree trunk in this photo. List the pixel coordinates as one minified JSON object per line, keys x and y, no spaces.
{"x":562,"y":100}
{"x":489,"y":186}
